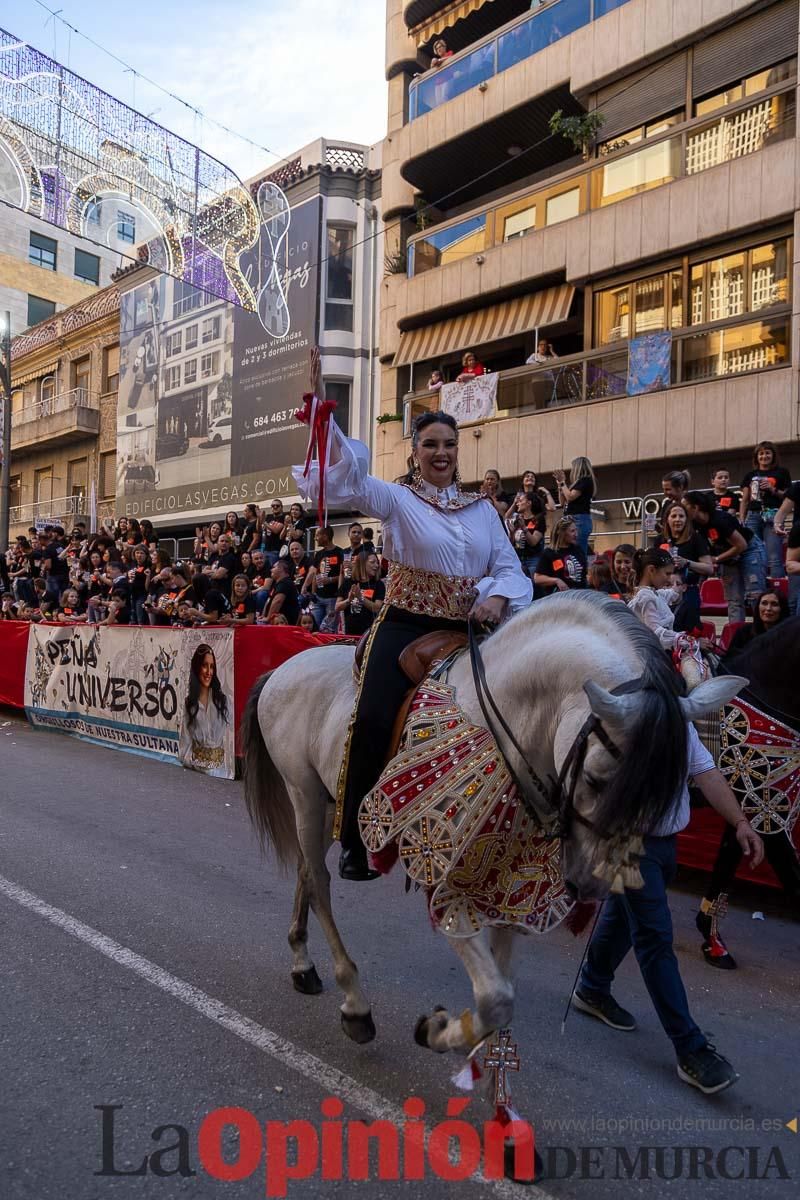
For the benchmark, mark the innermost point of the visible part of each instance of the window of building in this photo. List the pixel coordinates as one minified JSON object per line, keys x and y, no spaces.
{"x":734,"y":284}
{"x":646,"y":305}
{"x":211,"y":329}
{"x":77,"y":478}
{"x":563,"y":206}
{"x":209,"y":364}
{"x":43,"y":485}
{"x":750,"y":86}
{"x":520,"y":223}
{"x":111,"y":369}
{"x":126,"y":227}
{"x":87,"y":267}
{"x":173,"y":344}
{"x":185,"y":298}
{"x":172,"y":378}
{"x":82,"y":374}
{"x":190,"y":370}
{"x":17,"y":400}
{"x":47,"y":393}
{"x":93,"y":211}
{"x":42,"y":251}
{"x":108,"y":474}
{"x":39,"y":309}
{"x":340,"y":390}
{"x":339,"y":288}
{"x":190,"y":337}
{"x":15,"y":491}
{"x":632,"y":136}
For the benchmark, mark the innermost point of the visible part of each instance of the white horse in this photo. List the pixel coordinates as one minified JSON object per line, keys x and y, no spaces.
{"x":548,"y":669}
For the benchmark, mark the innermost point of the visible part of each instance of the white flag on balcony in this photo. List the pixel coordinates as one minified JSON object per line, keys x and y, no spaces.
{"x":473,"y":401}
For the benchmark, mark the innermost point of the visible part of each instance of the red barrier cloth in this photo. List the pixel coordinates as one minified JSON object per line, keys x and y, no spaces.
{"x":13,"y":658}
{"x":699,"y":843}
{"x":259,"y":648}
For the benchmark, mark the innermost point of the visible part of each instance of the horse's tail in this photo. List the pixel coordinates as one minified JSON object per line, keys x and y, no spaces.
{"x":268,"y":804}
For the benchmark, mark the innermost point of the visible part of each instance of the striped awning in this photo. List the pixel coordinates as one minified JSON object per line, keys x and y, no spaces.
{"x":536,"y":311}
{"x":445,"y":18}
{"x":19,"y":380}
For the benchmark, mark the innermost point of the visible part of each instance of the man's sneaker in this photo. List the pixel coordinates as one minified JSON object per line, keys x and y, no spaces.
{"x":605,"y":1008}
{"x":706,"y":1070}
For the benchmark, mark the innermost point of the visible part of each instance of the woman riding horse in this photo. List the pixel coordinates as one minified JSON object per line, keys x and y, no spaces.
{"x":450,"y":560}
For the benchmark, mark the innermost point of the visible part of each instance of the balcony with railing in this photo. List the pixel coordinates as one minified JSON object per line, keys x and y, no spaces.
{"x":64,"y":417}
{"x":58,"y":510}
{"x":697,"y":146}
{"x":718,"y":350}
{"x":513,"y":44}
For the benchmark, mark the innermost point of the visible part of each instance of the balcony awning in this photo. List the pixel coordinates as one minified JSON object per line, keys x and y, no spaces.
{"x":20,"y":380}
{"x":445,"y":18}
{"x":536,"y":311}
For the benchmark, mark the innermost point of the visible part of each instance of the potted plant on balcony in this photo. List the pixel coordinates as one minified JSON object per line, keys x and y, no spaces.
{"x":580,"y":131}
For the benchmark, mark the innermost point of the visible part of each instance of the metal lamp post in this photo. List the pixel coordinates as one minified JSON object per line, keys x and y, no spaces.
{"x":5,"y":428}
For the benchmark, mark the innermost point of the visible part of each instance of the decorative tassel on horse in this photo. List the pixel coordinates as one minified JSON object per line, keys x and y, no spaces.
{"x":621,"y":870}
{"x":317,"y":414}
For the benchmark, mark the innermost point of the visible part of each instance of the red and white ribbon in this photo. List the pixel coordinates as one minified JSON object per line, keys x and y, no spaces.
{"x":317,"y":414}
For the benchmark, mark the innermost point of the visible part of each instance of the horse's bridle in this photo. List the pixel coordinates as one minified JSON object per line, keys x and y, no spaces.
{"x":552,"y":793}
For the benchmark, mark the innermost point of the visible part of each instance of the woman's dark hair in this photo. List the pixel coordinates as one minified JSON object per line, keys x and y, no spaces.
{"x":625,"y":548}
{"x":193,"y":695}
{"x":758,"y":624}
{"x":163,"y":559}
{"x":234,"y":528}
{"x":146,"y":528}
{"x":776,"y":462}
{"x":680,"y":479}
{"x":654,"y":557}
{"x":431,"y":418}
{"x":702,"y":500}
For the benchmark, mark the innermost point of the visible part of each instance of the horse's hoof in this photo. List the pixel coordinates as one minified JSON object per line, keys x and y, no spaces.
{"x":509,"y":1165}
{"x":359,"y":1027}
{"x":421,"y":1032}
{"x":308,"y":982}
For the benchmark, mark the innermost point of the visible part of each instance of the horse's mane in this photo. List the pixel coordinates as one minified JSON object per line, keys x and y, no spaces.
{"x":771,"y":662}
{"x":644,"y":788}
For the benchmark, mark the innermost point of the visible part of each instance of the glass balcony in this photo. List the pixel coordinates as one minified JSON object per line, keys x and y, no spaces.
{"x":448,"y":245}
{"x":532,"y":33}
{"x":734,"y":349}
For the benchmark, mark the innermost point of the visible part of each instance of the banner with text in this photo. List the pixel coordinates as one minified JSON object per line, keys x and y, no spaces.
{"x":208,"y":391}
{"x":160,"y":692}
{"x":473,"y":401}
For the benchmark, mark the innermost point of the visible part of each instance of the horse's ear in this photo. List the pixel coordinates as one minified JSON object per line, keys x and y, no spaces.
{"x":709,"y":696}
{"x":607,"y":707}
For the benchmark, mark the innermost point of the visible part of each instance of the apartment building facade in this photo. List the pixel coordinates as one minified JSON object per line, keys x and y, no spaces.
{"x":656,"y":252}
{"x":64,"y":381}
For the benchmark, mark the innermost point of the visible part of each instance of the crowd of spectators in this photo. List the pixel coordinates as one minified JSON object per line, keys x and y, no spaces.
{"x":257,"y":567}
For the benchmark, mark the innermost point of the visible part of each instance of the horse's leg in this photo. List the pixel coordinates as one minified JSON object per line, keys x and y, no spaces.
{"x":304,"y":973}
{"x":494,"y":1000}
{"x":311,"y":811}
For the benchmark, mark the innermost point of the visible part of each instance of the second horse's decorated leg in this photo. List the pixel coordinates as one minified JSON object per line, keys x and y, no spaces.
{"x":494,"y":1000}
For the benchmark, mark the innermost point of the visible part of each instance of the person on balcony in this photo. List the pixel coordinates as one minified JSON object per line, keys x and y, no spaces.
{"x":436,"y":381}
{"x":440,"y":53}
{"x":543,"y":353}
{"x":470,"y":368}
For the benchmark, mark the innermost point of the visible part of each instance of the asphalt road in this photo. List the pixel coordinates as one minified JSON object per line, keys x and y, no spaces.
{"x":145,"y":965}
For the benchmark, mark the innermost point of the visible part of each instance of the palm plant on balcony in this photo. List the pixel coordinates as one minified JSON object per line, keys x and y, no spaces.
{"x":580,"y":131}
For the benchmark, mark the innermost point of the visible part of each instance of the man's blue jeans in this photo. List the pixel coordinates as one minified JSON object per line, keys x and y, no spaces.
{"x":773,"y":543}
{"x":744,"y":578}
{"x":640,"y":918}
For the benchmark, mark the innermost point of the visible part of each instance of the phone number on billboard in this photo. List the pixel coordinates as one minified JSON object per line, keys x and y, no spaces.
{"x":276,"y":418}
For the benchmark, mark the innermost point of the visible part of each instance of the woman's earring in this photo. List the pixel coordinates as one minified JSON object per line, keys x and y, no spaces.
{"x":416,"y":475}
{"x":457,"y":478}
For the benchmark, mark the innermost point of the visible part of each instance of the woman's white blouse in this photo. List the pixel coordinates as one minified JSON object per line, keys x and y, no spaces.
{"x":653,"y":607}
{"x":206,"y":732}
{"x":469,"y":541}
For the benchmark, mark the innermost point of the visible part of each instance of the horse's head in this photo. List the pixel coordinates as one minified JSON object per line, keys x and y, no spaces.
{"x":626,"y":769}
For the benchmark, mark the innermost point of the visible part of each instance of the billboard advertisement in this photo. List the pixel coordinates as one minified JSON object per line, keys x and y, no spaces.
{"x":207,"y":390}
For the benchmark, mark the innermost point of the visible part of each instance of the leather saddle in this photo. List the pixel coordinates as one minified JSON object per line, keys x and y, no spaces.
{"x":417,"y":661}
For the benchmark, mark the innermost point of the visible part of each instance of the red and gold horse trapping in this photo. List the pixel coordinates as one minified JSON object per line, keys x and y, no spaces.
{"x":446,"y":806}
{"x":760,"y":757}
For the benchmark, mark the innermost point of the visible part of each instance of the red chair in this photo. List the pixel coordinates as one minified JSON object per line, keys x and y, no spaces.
{"x":708,"y":630}
{"x":781,"y":586}
{"x":727,"y":635}
{"x":712,"y":599}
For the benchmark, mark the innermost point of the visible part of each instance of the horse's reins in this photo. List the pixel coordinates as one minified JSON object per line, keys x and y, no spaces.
{"x":558,"y":794}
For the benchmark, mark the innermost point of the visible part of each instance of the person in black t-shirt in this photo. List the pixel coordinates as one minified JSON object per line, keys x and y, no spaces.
{"x":577,"y":496}
{"x":527,"y":526}
{"x":328,"y":562}
{"x":793,"y":568}
{"x":139,"y":577}
{"x":355,"y":535}
{"x":283,"y":597}
{"x":562,"y":565}
{"x":301,"y":566}
{"x":272,"y":526}
{"x":737,"y":554}
{"x":725,"y":498}
{"x":361,"y":596}
{"x":763,"y":492}
{"x":243,"y":606}
{"x":222,"y":565}
{"x":692,"y":557}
